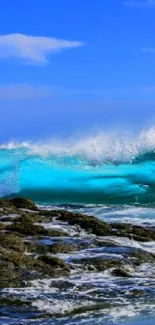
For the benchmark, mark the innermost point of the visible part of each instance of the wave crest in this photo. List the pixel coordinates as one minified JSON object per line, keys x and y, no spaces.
{"x":103,"y":147}
{"x":102,"y":169}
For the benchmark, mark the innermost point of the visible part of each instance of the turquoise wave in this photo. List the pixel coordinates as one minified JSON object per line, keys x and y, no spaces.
{"x":85,"y":172}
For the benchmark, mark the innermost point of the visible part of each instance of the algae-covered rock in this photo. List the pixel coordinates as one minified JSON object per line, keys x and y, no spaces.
{"x":8,"y":275}
{"x":32,"y":217}
{"x":4,"y":203}
{"x":55,"y":262}
{"x":133,"y":232}
{"x":98,"y":264}
{"x":23,"y":259}
{"x":139,"y":256}
{"x":37,"y":248}
{"x":16,"y":267}
{"x":63,"y":248}
{"x":23,"y":203}
{"x":1,"y":226}
{"x":105,"y":243}
{"x":24,"y":226}
{"x":89,"y":223}
{"x":27,"y":228}
{"x":137,"y":292}
{"x":11,"y":241}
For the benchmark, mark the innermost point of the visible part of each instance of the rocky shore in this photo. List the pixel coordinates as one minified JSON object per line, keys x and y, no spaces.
{"x":38,"y":244}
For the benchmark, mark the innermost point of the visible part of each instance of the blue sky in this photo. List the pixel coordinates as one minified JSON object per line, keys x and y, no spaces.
{"x":75,"y":66}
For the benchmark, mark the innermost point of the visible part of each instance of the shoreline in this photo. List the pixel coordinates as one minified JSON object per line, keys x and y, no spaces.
{"x":72,"y":255}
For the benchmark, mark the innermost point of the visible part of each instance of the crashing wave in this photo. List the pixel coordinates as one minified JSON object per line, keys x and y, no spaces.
{"x":102,"y":169}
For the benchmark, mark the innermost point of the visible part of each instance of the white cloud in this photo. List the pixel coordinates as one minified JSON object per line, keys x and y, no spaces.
{"x":25,"y":91}
{"x":33,"y":49}
{"x":140,"y":3}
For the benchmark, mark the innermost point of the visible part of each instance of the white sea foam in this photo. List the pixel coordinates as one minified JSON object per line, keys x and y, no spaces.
{"x":110,"y":146}
{"x":144,"y":216}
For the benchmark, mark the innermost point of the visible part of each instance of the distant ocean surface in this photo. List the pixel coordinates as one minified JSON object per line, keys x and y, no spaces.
{"x":111,"y":177}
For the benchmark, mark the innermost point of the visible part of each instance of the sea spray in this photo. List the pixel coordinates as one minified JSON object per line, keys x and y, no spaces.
{"x":101,"y":169}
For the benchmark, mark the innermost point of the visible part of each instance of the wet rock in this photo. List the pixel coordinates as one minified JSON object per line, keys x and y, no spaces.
{"x":6,"y":204}
{"x":97,"y":264}
{"x":49,"y":213}
{"x":23,"y":203}
{"x":36,"y":248}
{"x":12,"y":301}
{"x":55,"y":262}
{"x":105,"y":243}
{"x":63,"y":248}
{"x":16,"y":267}
{"x":139,"y":256}
{"x":9,"y":218}
{"x":62,"y":285}
{"x":11,"y":241}
{"x":56,"y":233}
{"x":89,"y":223}
{"x":133,"y":232}
{"x":26,"y":227}
{"x":1,"y":226}
{"x":137,"y":293}
{"x":32,"y":217}
{"x":121,"y":272}
{"x":8,"y":276}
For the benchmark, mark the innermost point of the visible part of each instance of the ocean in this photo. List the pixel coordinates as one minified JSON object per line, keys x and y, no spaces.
{"x":110,"y":177}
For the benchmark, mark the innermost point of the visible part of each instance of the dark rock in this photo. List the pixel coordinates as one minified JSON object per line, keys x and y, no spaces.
{"x":23,"y":203}
{"x":105,"y":243}
{"x":1,"y":226}
{"x":139,"y":256}
{"x":63,"y":248}
{"x":26,"y":227}
{"x":55,"y":262}
{"x":137,"y":293}
{"x":89,"y":223}
{"x":8,"y":219}
{"x":17,"y":267}
{"x":98,"y":264}
{"x":32,"y":217}
{"x":36,"y":248}
{"x":49,"y":213}
{"x":121,"y":272}
{"x":6,"y":204}
{"x":133,"y":232}
{"x":8,"y":276}
{"x":11,"y":241}
{"x":56,"y":233}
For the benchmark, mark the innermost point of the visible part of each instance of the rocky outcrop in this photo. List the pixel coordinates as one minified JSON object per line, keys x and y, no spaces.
{"x":28,"y":249}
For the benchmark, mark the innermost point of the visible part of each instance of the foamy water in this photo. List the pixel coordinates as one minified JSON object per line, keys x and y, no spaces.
{"x":110,"y":176}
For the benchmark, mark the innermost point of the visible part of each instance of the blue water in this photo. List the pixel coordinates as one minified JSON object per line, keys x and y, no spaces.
{"x":92,"y":170}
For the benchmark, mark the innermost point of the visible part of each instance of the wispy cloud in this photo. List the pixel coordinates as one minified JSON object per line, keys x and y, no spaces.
{"x":140,"y":3}
{"x":25,"y":91}
{"x":15,"y":92}
{"x":33,"y":49}
{"x":149,"y":50}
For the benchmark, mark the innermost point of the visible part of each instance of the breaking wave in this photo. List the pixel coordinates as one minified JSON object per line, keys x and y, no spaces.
{"x":106,"y":168}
